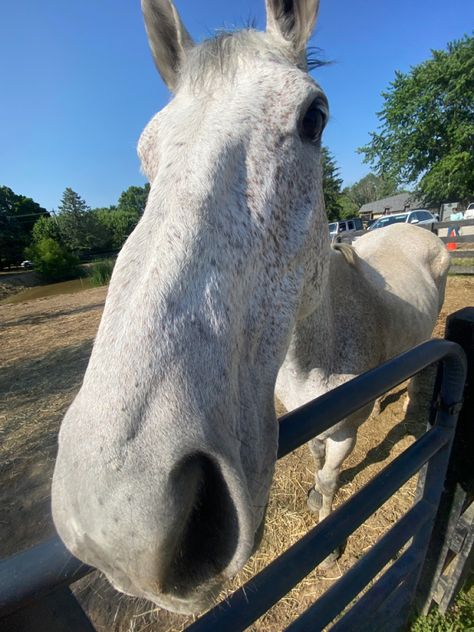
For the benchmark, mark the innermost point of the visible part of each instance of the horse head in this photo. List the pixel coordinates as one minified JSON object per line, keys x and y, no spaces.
{"x":167,"y":453}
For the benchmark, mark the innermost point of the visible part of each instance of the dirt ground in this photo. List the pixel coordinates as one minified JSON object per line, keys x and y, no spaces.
{"x":45,"y":345}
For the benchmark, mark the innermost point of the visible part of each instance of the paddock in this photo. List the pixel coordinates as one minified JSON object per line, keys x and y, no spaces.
{"x":46,"y":345}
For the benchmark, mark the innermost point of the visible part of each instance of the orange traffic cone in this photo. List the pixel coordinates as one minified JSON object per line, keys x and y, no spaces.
{"x":451,"y":245}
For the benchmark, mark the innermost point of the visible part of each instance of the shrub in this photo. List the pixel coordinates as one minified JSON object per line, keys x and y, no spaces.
{"x":459,"y":619}
{"x":100,"y":272}
{"x":52,"y":261}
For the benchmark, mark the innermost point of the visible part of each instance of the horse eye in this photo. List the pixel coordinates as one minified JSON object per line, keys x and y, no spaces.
{"x":313,"y":122}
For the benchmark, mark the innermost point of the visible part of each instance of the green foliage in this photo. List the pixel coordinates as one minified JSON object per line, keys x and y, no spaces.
{"x":75,"y":227}
{"x":18,"y":215}
{"x":118,"y":224}
{"x":52,"y":261}
{"x":80,"y":229}
{"x":133,"y":200}
{"x":370,"y":188}
{"x":348,"y":207}
{"x":346,"y":203}
{"x":119,"y":221}
{"x":452,"y":178}
{"x":465,"y":261}
{"x":426,"y":135}
{"x":71,"y":202}
{"x":100,"y":272}
{"x":331,"y":185}
{"x":460,"y":619}
{"x":46,"y":228}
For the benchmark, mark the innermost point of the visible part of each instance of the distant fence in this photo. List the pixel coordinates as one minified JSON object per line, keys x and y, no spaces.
{"x":34,"y":593}
{"x":450,"y":238}
{"x":111,"y":254}
{"x":458,"y":266}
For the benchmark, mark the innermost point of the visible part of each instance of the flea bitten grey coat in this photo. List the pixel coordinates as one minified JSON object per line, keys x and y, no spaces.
{"x":226,"y":289}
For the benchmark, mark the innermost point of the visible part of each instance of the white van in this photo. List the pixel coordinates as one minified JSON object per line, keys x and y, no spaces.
{"x":469,"y":213}
{"x":345,"y":226}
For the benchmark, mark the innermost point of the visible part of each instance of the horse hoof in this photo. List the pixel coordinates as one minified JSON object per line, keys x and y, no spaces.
{"x":330,"y":560}
{"x":315,"y":500}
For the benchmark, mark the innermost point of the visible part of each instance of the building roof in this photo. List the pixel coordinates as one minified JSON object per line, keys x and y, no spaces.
{"x":394,"y":203}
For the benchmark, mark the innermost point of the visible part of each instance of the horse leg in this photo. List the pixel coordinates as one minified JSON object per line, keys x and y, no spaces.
{"x":411,"y":395}
{"x":318,"y":450}
{"x":337,"y":449}
{"x":409,"y":398}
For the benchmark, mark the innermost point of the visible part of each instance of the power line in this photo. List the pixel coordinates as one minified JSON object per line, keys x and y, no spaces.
{"x":27,"y":215}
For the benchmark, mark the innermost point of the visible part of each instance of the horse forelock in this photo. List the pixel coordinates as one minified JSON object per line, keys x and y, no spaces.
{"x":219,"y":55}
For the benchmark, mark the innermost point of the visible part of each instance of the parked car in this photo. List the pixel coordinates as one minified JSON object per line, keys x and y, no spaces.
{"x":419,"y":217}
{"x":345,"y":226}
{"x":469,"y":214}
{"x":27,"y":265}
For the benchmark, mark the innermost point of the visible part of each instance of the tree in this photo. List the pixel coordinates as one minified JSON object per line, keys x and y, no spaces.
{"x":71,"y":202}
{"x":134,"y":199}
{"x":120,"y":220}
{"x":370,"y":188}
{"x":46,"y":228}
{"x":331,"y":185}
{"x":52,"y":261}
{"x":18,"y":215}
{"x":348,"y":207}
{"x":426,"y":136}
{"x":119,"y":224}
{"x":80,"y":229}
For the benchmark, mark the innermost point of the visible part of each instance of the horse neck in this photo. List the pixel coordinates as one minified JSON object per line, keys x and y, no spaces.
{"x":312,"y":339}
{"x":312,"y":342}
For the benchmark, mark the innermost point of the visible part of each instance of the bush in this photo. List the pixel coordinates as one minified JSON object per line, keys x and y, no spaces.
{"x":459,"y":619}
{"x":52,"y":261}
{"x":100,"y":272}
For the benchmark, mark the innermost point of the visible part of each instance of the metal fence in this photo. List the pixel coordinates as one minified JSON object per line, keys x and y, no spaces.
{"x":34,"y":593}
{"x":459,"y":265}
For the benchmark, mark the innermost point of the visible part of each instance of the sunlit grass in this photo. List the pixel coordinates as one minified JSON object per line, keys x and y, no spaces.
{"x":100,"y":272}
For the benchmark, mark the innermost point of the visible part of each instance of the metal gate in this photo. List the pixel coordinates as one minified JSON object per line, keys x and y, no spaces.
{"x":34,"y":593}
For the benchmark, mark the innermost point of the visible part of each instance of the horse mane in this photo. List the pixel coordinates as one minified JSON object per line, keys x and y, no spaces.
{"x":348,"y":252}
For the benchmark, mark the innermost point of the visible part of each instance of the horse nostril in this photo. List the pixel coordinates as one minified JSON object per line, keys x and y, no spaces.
{"x":210,"y":536}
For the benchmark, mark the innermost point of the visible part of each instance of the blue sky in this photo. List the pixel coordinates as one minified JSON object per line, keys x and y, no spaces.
{"x":79,"y":84}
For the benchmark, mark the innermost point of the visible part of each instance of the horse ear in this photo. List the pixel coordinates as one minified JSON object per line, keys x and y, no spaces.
{"x":293,"y":20}
{"x":168,"y":38}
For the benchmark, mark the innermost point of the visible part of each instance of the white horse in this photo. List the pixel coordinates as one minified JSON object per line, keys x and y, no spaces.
{"x":227,"y":288}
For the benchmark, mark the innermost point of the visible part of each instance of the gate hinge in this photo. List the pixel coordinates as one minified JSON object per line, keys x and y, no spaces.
{"x":451,"y":409}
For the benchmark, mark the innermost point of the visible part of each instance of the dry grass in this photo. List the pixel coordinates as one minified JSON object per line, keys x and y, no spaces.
{"x":45,"y":348}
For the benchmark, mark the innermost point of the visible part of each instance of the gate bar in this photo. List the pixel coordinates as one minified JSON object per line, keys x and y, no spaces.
{"x":58,"y":611}
{"x":41,"y":569}
{"x":32,"y":573}
{"x":336,"y":598}
{"x":261,"y":592}
{"x":303,"y":424}
{"x":377,"y":595}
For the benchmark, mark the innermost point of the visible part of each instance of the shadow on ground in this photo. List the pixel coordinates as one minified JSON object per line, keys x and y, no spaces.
{"x":47,"y":316}
{"x":36,"y":395}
